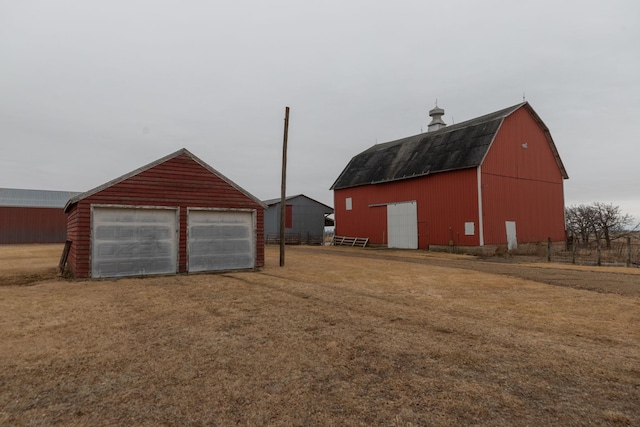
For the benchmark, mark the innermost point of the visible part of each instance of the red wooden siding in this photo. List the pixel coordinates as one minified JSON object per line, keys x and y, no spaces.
{"x":73,"y":234}
{"x":32,"y":225}
{"x":178,"y":182}
{"x":522,"y":184}
{"x":444,"y":202}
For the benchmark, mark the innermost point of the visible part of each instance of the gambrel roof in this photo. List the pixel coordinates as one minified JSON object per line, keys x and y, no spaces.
{"x":459,"y":146}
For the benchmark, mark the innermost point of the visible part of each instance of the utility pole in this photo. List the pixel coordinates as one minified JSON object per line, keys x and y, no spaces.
{"x":283,"y":187}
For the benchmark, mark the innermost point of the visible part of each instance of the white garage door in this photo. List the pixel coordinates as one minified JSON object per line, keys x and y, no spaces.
{"x":402,"y":225}
{"x":220,"y":240}
{"x":133,"y":242}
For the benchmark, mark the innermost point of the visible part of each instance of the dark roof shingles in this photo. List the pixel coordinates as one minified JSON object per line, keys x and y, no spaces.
{"x":458,"y":146}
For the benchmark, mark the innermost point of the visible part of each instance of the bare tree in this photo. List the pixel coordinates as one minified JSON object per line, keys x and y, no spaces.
{"x":579,"y":221}
{"x":609,"y":222}
{"x":602,"y":220}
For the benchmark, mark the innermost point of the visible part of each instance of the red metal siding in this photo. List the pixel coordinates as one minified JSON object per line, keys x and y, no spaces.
{"x":521,"y":182}
{"x":32,"y":225}
{"x":179,"y":182}
{"x":444,"y":202}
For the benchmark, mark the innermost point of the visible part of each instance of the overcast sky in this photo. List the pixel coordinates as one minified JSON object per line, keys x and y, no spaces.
{"x":90,"y":90}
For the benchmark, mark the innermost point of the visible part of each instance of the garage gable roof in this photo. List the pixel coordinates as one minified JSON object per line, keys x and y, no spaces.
{"x":458,"y":146}
{"x":178,"y":153}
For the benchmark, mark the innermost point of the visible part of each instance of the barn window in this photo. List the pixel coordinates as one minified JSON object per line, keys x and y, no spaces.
{"x":288,"y":217}
{"x":469,"y":229}
{"x":349,"y":203}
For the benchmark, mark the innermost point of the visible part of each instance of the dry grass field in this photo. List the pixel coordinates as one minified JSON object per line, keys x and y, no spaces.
{"x":339,"y":336}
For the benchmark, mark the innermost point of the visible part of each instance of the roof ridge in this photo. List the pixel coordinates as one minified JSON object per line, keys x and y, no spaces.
{"x":458,"y":146}
{"x":274,"y":201}
{"x":454,"y":127}
{"x":153,"y":164}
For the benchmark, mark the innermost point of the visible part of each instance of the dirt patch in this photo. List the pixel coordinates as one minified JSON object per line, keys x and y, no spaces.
{"x":333,"y":338}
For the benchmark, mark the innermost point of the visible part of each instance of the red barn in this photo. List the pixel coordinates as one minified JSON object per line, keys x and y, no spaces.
{"x":496,"y":180}
{"x":33,"y":216}
{"x":174,"y":215}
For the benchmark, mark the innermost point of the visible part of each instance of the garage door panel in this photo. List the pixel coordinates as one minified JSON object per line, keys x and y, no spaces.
{"x":133,"y":241}
{"x":204,"y":232}
{"x":220,"y":262}
{"x":108,"y":269}
{"x":235,"y":232}
{"x":125,"y":233}
{"x":105,"y":250}
{"x":235,"y":247}
{"x":120,"y":268}
{"x":220,"y":240}
{"x":105,"y":233}
{"x":153,"y":233}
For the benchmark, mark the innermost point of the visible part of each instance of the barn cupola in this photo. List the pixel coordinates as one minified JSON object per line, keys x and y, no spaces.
{"x":436,"y":121}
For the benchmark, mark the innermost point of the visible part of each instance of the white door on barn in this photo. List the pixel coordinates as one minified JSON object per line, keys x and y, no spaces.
{"x":220,"y":240}
{"x":133,"y":241}
{"x":512,"y":239}
{"x":402,"y":225}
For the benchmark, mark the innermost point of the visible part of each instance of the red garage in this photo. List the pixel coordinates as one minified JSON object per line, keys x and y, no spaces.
{"x":174,"y":215}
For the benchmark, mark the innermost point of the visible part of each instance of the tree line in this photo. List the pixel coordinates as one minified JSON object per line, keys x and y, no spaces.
{"x":603,"y":221}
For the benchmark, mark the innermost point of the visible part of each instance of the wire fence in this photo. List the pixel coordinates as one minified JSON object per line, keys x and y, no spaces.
{"x":294,"y":239}
{"x":621,"y":253}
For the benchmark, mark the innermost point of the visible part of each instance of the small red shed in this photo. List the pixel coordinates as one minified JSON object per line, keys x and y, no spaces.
{"x":174,"y":215}
{"x":490,"y":181}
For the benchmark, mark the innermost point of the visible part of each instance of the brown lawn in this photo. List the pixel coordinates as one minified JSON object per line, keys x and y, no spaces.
{"x":337,"y":337}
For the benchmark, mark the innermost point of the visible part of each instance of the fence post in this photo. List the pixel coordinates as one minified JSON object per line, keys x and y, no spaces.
{"x":548,"y":249}
{"x":628,"y":251}
{"x":599,"y":254}
{"x":573,"y":250}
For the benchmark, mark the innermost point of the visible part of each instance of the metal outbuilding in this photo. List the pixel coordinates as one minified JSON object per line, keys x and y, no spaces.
{"x":33,"y":216}
{"x":174,"y":215}
{"x":491,"y":181}
{"x":304,"y":218}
